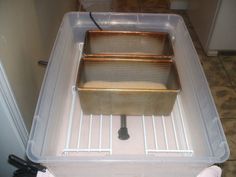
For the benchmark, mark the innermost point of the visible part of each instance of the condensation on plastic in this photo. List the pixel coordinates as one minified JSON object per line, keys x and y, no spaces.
{"x":202,"y":121}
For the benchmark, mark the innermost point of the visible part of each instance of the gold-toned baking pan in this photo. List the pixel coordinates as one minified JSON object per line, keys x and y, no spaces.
{"x":128,"y":44}
{"x":129,"y":87}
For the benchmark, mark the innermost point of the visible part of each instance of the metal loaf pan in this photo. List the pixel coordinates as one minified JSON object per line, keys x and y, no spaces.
{"x":128,"y":44}
{"x":127,"y":86}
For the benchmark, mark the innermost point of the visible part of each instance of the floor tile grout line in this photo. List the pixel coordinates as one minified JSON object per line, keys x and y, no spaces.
{"x":227,"y":74}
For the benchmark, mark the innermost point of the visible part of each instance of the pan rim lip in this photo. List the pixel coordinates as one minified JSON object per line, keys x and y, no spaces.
{"x":124,"y":56}
{"x":128,"y":59}
{"x":129,"y":32}
{"x":81,"y":88}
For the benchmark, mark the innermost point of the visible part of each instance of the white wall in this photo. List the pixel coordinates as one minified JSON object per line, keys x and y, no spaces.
{"x":224,"y":33}
{"x":20,"y":48}
{"x":13,"y":133}
{"x":49,"y":15}
{"x":10,"y":144}
{"x":27,"y":31}
{"x":202,"y":14}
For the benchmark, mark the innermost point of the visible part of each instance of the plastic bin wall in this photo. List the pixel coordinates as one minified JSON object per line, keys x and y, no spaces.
{"x":202,"y":124}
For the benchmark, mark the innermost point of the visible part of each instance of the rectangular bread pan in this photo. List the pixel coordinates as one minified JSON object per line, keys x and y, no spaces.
{"x":128,"y":44}
{"x":127,"y":86}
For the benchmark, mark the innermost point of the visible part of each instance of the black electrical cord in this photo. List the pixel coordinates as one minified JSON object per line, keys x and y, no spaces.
{"x":94,"y":21}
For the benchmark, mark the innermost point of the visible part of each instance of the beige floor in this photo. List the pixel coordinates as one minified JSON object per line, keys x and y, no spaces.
{"x":220,"y":71}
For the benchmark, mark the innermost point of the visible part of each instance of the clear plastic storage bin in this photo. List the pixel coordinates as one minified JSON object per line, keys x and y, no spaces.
{"x":71,"y":143}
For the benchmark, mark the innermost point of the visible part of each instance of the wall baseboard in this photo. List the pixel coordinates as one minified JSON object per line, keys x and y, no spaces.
{"x":12,"y":107}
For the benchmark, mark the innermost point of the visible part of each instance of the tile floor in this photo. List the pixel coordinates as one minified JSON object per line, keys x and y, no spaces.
{"x":220,"y":71}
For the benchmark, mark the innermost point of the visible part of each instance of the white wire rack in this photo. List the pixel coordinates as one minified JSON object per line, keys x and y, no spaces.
{"x":181,"y":143}
{"x":159,"y":135}
{"x":82,"y":130}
